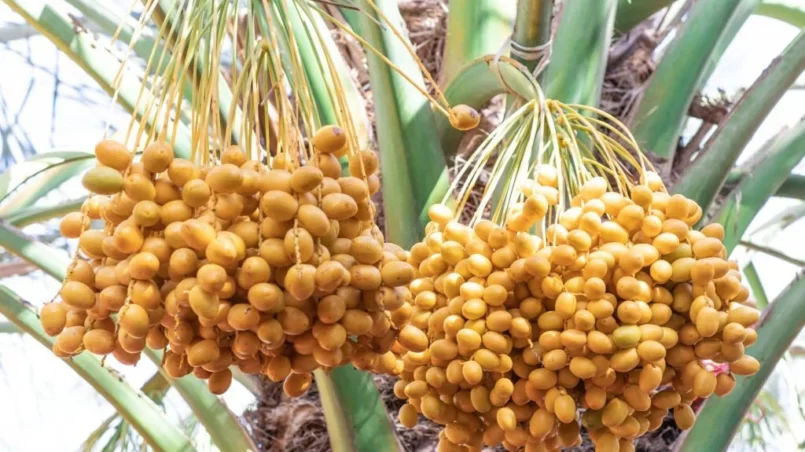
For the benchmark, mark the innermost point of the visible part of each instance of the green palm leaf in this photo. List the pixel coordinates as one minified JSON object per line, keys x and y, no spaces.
{"x":788,"y":11}
{"x":580,"y":50}
{"x":661,"y":114}
{"x":763,"y":179}
{"x":474,"y":28}
{"x":702,"y":181}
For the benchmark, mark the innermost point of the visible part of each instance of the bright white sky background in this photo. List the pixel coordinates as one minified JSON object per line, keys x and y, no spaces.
{"x":44,"y":406}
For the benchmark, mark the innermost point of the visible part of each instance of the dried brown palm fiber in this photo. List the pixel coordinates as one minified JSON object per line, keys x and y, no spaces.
{"x":630,"y":66}
{"x":281,"y":424}
{"x":426,"y":23}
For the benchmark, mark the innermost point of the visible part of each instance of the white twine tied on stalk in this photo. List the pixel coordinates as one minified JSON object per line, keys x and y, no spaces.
{"x":540,"y":53}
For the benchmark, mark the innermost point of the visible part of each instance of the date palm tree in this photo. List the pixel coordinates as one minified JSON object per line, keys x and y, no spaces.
{"x":519,"y":49}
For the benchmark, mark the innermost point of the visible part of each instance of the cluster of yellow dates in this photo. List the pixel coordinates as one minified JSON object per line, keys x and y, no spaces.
{"x":276,"y":270}
{"x":619,"y":314}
